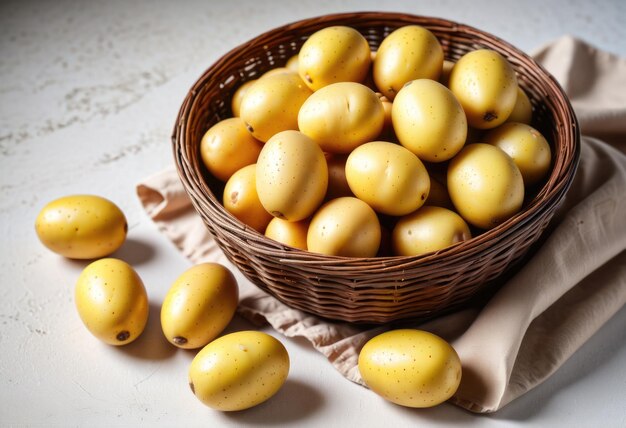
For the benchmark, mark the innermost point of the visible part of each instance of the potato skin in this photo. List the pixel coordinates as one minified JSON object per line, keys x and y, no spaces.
{"x":412,"y":368}
{"x":526,"y":146}
{"x":408,"y":53}
{"x":334,"y":54}
{"x":342,"y":116}
{"x":486,"y":86}
{"x":112,"y":301}
{"x":291,"y":176}
{"x":429,"y":120}
{"x":199,"y":305}
{"x":239,"y":370}
{"x":81,"y":226}
{"x":485,"y":185}
{"x":346,"y":227}
{"x":387,"y":176}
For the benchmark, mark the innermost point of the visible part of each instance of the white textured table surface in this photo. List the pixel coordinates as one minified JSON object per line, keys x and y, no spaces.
{"x":88,"y":95}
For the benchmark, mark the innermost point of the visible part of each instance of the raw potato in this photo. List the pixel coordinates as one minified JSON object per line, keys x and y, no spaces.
{"x":199,"y":305}
{"x":227,"y":147}
{"x":412,"y":368}
{"x":526,"y":146}
{"x":235,"y":104}
{"x":239,"y":370}
{"x":429,"y":121}
{"x":390,"y":178}
{"x":428,"y":229}
{"x":292,"y":63}
{"x":342,"y":116}
{"x":444,"y":78}
{"x":292,"y":233}
{"x":241,"y":199}
{"x":438,"y":195}
{"x":271,"y":105}
{"x":81,"y":226}
{"x":291,"y":176}
{"x":485,"y":185}
{"x":345,"y":227}
{"x":112,"y":301}
{"x":486,"y":86}
{"x":523,"y":110}
{"x":337,"y":181}
{"x":334,"y":54}
{"x":409,"y":53}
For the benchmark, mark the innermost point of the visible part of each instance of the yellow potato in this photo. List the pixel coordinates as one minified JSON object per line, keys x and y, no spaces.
{"x":291,"y":176}
{"x":444,"y":78}
{"x":438,"y":195}
{"x":337,"y":181}
{"x":277,"y":70}
{"x":429,"y":121}
{"x":342,"y":116}
{"x":271,"y":105}
{"x":227,"y":147}
{"x":334,"y":54}
{"x":526,"y":146}
{"x":199,"y":305}
{"x":344,"y":227}
{"x":523,"y":109}
{"x":485,"y":185}
{"x":428,"y":229}
{"x":387,"y":133}
{"x":390,"y":178}
{"x":292,"y":63}
{"x":112,"y":301}
{"x":292,"y":233}
{"x":410,"y":52}
{"x":239,"y":370}
{"x":81,"y":226}
{"x":412,"y":368}
{"x":241,"y":199}
{"x":235,"y":103}
{"x":486,"y":86}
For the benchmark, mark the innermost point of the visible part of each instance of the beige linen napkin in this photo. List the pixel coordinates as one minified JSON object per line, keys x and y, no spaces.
{"x":573,"y":284}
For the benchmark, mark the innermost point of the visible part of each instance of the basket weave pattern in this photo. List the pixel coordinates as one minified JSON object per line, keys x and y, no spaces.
{"x":384,"y":289}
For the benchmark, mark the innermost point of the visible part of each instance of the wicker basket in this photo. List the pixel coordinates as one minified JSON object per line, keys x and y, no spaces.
{"x":384,"y":289}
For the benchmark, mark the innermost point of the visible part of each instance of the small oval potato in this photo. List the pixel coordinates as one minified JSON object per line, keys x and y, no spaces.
{"x":523,"y":109}
{"x":241,"y":199}
{"x":485,"y":185}
{"x":526,"y":146}
{"x":429,"y":121}
{"x":486,"y":86}
{"x":112,"y":301}
{"x":199,"y":305}
{"x":291,"y":176}
{"x":408,"y":53}
{"x":81,"y":226}
{"x":239,"y":370}
{"x":292,"y":233}
{"x":428,"y":229}
{"x":344,"y":227}
{"x":412,"y":368}
{"x":337,"y":181}
{"x":334,"y":54}
{"x":390,"y":178}
{"x":235,"y":103}
{"x":227,"y":147}
{"x":271,"y":105}
{"x":342,"y":116}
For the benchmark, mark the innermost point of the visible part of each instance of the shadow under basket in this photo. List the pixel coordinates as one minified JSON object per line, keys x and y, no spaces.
{"x":382,"y":289}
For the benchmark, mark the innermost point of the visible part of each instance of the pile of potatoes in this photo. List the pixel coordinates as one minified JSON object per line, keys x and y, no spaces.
{"x":350,"y":152}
